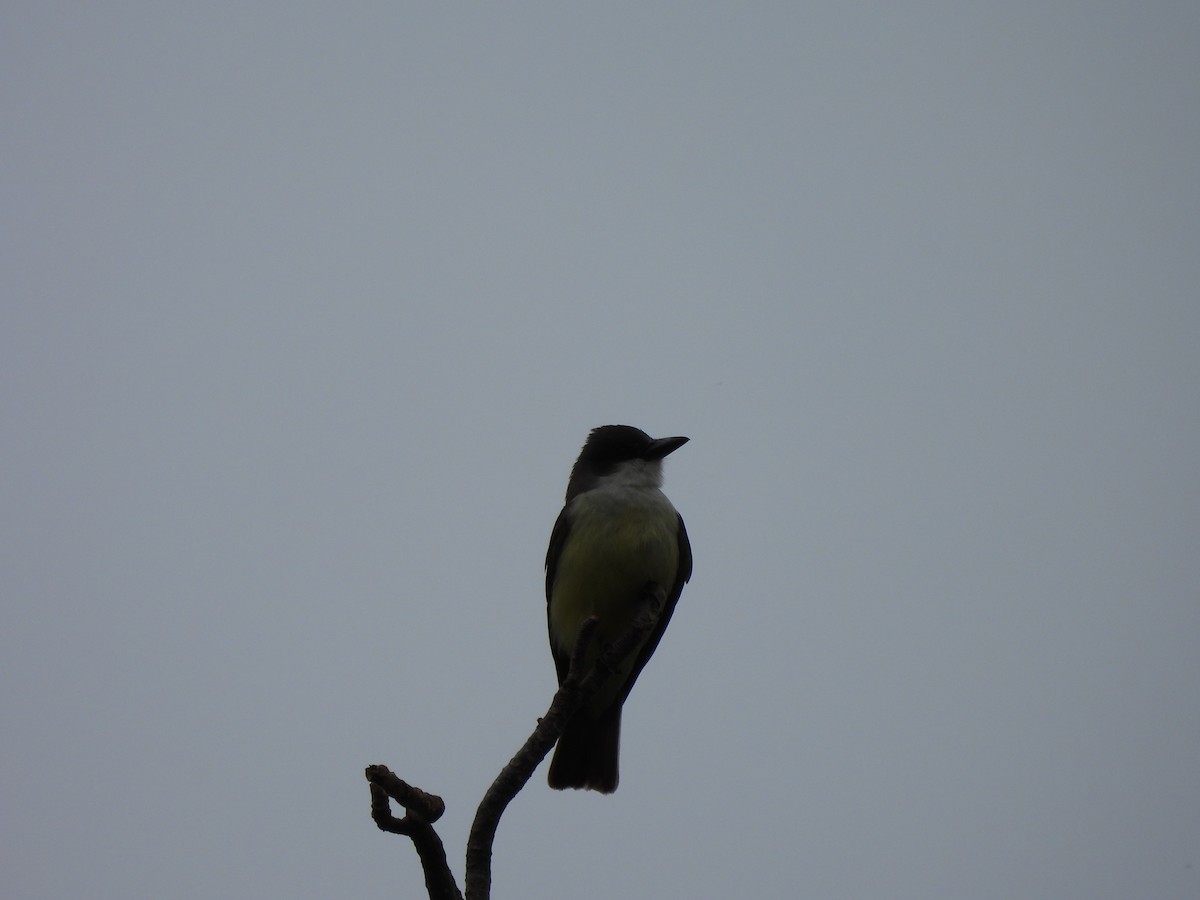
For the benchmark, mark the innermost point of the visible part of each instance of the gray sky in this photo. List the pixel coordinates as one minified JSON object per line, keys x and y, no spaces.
{"x":309,"y":308}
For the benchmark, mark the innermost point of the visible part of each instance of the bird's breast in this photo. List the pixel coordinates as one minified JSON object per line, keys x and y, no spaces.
{"x":619,"y":541}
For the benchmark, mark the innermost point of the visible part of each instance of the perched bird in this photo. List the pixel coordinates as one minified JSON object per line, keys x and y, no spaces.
{"x":616,"y":534}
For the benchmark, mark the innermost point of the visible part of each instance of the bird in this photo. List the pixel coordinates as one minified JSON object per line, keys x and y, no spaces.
{"x":617,"y":534}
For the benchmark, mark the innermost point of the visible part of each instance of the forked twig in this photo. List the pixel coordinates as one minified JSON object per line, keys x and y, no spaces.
{"x":423,"y":809}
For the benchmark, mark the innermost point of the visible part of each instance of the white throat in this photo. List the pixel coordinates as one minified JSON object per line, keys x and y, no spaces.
{"x":644,"y":474}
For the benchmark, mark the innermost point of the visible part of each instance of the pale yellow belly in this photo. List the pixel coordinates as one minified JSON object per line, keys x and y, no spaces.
{"x":616,"y":545}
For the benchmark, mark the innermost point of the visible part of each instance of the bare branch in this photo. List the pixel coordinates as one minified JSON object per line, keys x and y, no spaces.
{"x":577,"y":687}
{"x":416,"y":802}
{"x":423,"y":809}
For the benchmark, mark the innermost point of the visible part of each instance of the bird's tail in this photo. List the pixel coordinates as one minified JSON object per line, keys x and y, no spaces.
{"x":587,"y":753}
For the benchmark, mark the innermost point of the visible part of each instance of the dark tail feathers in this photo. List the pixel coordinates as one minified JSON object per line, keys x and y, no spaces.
{"x":587,"y":753}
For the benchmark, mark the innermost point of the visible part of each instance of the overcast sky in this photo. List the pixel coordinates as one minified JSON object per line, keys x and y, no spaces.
{"x":308,"y":308}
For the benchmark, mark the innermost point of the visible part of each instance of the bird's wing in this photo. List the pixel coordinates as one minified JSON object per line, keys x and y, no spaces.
{"x":682,"y":573}
{"x":558,"y":538}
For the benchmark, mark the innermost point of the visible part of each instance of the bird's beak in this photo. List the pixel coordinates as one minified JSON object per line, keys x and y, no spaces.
{"x":661,"y":447}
